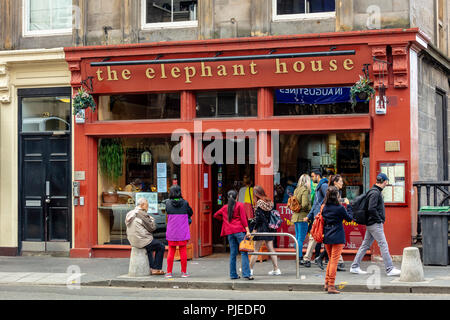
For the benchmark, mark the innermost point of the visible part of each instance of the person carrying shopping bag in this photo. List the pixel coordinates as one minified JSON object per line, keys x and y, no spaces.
{"x":333,"y":214}
{"x":235,"y":228}
{"x":264,"y":206}
{"x":179,"y":215}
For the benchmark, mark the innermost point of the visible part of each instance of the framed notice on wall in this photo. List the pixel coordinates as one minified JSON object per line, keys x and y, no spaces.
{"x":395,"y":191}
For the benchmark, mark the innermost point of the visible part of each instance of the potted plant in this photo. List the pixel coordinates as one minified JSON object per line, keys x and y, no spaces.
{"x":361,"y":89}
{"x":110,"y":159}
{"x":83,"y":100}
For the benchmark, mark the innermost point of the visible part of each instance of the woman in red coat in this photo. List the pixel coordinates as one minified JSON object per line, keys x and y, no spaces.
{"x":235,"y":227}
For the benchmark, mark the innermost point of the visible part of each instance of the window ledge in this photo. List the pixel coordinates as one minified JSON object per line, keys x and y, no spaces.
{"x":47,"y":33}
{"x":304,"y":16}
{"x":170,"y":25}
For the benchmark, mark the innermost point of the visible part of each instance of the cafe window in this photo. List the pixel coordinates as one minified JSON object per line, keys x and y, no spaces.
{"x":47,"y":17}
{"x":140,"y":106}
{"x":214,"y":104}
{"x":46,"y":114}
{"x":169,"y":13}
{"x":346,"y":154}
{"x":128,"y":169}
{"x":292,"y":9}
{"x":316,"y":101}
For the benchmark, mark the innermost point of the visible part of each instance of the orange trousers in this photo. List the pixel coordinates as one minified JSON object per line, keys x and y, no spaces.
{"x":334,"y":252}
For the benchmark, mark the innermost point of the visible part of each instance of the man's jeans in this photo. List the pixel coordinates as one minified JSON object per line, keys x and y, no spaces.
{"x":301,"y":229}
{"x":157,"y":247}
{"x":235,"y":239}
{"x":374,"y":232}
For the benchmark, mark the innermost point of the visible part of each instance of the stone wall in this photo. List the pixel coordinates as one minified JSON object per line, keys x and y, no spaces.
{"x":431,"y":77}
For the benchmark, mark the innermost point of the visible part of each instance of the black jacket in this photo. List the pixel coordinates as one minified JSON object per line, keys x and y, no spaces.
{"x":375,"y":207}
{"x":333,"y":229}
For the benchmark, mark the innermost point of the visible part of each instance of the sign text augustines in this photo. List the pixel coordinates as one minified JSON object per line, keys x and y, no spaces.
{"x":191,"y":72}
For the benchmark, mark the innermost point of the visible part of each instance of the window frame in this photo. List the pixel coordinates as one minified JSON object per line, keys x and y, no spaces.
{"x":39,"y":33}
{"x":164,"y":25}
{"x":300,"y":16}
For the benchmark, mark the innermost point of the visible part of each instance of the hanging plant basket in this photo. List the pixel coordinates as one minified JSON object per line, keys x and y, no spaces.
{"x":361,"y":89}
{"x":82,"y":101}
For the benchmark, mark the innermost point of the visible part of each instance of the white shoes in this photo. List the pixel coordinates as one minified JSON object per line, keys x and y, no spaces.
{"x":275,"y":272}
{"x":357,"y":271}
{"x":394,"y":272}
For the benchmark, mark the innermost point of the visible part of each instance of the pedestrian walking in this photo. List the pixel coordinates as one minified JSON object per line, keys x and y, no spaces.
{"x":140,"y":226}
{"x":303,"y":195}
{"x":321,"y":191}
{"x":333,"y":214}
{"x":262,"y":218}
{"x":374,"y":229}
{"x":235,"y":228}
{"x":179,"y":215}
{"x":336,"y":181}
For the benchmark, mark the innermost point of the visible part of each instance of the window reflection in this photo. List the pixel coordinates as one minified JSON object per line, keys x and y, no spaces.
{"x":147,"y":171}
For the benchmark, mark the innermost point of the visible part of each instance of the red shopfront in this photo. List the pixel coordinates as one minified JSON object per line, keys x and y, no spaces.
{"x":147,"y":94}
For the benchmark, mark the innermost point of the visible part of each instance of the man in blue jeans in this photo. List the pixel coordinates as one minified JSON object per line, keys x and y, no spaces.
{"x":374,"y":229}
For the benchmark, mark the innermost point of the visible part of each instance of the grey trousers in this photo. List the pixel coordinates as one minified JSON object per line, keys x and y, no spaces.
{"x":374,"y":232}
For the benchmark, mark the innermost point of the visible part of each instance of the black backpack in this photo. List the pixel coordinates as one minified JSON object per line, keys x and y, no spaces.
{"x":359,"y":208}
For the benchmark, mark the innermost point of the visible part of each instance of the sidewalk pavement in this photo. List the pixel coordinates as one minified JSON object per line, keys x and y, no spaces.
{"x":212,"y":273}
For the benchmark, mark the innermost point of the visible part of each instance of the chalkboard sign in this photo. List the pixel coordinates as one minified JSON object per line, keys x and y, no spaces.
{"x":348,"y":157}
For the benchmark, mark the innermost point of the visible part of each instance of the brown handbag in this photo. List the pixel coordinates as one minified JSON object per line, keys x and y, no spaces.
{"x":247,"y":245}
{"x":293,"y":204}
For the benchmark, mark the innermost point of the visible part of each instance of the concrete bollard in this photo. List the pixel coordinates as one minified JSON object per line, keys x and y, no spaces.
{"x":412,"y":268}
{"x":139,"y":266}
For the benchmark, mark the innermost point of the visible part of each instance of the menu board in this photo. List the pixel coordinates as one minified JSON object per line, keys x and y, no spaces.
{"x":395,"y":190}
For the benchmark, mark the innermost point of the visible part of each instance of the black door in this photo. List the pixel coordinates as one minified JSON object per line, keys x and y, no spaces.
{"x":44,"y":168}
{"x":46,"y":188}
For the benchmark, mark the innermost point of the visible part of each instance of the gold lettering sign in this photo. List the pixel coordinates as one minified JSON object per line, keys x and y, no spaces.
{"x":190,"y":73}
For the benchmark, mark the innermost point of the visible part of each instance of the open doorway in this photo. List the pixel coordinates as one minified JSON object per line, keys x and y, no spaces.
{"x":226,"y":176}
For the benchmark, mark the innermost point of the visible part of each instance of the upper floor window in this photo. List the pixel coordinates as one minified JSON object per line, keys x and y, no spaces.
{"x":169,"y":13}
{"x":294,"y":9}
{"x":47,"y":17}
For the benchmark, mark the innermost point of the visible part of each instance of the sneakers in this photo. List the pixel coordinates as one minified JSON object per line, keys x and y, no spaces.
{"x":185,"y":275}
{"x":393,"y":272}
{"x":169,"y":275}
{"x":357,"y":271}
{"x":275,"y":272}
{"x":307,"y":264}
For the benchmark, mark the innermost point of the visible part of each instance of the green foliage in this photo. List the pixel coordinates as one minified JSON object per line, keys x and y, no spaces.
{"x":110,"y":158}
{"x":83,"y":100}
{"x":362,"y":86}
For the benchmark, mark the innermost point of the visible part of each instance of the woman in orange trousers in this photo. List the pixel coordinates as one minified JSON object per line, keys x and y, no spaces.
{"x":334,"y":236}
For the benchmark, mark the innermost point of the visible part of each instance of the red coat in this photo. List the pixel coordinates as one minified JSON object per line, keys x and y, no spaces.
{"x":238,"y":222}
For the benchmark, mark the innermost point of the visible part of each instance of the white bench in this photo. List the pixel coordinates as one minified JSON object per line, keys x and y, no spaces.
{"x":139,"y":266}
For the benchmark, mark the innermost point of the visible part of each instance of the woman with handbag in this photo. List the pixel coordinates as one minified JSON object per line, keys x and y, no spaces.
{"x":303,"y":195}
{"x":264,"y":207}
{"x":333,"y":214}
{"x":235,"y":227}
{"x":179,"y":215}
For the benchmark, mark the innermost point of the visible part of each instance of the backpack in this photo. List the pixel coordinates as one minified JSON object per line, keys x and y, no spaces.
{"x":293,"y":204}
{"x":317,"y":227}
{"x":275,"y":220}
{"x":359,"y":208}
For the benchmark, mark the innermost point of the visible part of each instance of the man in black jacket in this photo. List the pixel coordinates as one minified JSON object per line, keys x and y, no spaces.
{"x":374,"y":229}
